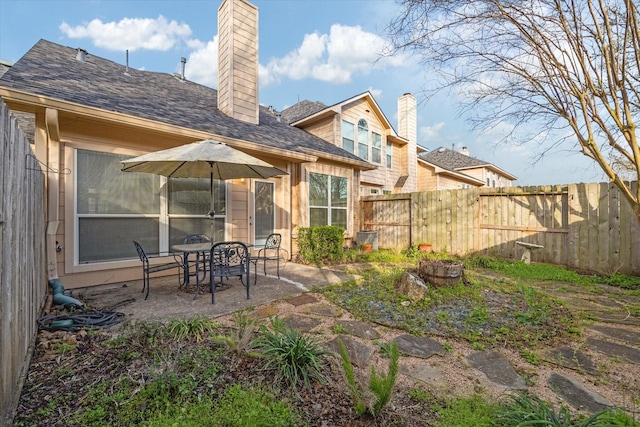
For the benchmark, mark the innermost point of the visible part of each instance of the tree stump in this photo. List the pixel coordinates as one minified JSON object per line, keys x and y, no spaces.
{"x":440,"y":272}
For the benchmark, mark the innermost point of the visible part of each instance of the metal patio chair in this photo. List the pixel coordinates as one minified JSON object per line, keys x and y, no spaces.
{"x":171,"y":260}
{"x":229,"y":259}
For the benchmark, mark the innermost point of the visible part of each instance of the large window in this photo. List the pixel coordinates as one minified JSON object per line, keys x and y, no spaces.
{"x":376,"y":148}
{"x":189,"y":205}
{"x":348,"y":136}
{"x":363,"y":139}
{"x":328,"y":197}
{"x":113,"y":208}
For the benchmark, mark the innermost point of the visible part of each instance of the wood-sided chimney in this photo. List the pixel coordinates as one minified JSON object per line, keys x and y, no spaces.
{"x":238,"y":60}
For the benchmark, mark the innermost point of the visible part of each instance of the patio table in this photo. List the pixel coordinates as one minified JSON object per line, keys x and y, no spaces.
{"x":200,"y":249}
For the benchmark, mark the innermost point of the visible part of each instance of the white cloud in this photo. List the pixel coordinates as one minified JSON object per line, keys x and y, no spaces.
{"x":377,"y":93}
{"x":202,"y":64}
{"x":335,"y":57}
{"x":430,"y":133}
{"x":131,"y":33}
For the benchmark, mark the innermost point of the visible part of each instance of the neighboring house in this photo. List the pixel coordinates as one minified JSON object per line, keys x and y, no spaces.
{"x":359,"y":126}
{"x":90,"y":113}
{"x":443,"y":169}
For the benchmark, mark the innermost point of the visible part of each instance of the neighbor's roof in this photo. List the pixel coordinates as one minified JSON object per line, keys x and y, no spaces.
{"x":455,"y":161}
{"x":52,"y":71}
{"x":305,"y":112}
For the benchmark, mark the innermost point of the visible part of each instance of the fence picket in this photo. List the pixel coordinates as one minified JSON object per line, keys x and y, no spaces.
{"x":582,"y":226}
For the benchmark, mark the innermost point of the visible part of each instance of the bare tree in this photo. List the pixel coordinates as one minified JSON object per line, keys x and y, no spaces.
{"x":563,"y":67}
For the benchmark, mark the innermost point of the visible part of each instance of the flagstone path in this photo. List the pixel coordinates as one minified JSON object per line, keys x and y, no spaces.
{"x":574,"y":378}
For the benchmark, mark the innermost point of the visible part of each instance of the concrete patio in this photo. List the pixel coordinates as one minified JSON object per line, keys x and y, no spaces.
{"x":167,"y":301}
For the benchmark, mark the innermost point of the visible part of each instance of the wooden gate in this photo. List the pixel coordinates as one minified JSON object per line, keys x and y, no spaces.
{"x":390,"y":218}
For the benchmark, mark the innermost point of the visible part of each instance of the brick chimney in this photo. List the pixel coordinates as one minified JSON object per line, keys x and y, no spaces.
{"x":238,"y":60}
{"x":408,"y":129}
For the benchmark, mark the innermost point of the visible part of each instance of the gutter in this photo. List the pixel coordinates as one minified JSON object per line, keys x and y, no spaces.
{"x":53,"y":190}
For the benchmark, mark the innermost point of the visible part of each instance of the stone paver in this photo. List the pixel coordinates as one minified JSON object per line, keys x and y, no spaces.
{"x":631,"y":337}
{"x":302,"y":299}
{"x":575,"y":394}
{"x":575,"y":359}
{"x":359,"y":352}
{"x":427,"y":374}
{"x":301,"y":323}
{"x":629,"y":353}
{"x":422,"y":347}
{"x":497,"y":369}
{"x":326,"y":310}
{"x":359,"y":329}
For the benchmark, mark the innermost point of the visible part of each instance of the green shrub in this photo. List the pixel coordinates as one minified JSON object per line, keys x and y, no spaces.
{"x":295,"y":357}
{"x":197,"y":327}
{"x":318,"y":245}
{"x":525,"y":409}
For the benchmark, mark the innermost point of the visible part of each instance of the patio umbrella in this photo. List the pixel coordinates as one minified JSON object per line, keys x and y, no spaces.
{"x":203,"y":159}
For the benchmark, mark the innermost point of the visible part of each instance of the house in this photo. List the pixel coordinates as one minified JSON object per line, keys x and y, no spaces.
{"x":359,"y":126}
{"x":89,"y":114}
{"x":443,"y":169}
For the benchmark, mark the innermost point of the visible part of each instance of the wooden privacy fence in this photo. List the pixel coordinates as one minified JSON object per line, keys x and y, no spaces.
{"x":587,"y":227}
{"x":22,"y":260}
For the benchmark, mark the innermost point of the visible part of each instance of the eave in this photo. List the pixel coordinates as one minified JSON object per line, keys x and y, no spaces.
{"x":27,"y":102}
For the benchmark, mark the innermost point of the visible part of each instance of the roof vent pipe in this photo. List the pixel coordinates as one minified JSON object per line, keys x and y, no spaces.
{"x":126,"y":70}
{"x":183,"y":61}
{"x":278,"y":116}
{"x":81,"y":55}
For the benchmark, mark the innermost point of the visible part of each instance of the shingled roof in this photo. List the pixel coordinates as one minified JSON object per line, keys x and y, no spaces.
{"x":458,"y":162}
{"x":302,"y":109}
{"x":52,"y":70}
{"x":452,"y":160}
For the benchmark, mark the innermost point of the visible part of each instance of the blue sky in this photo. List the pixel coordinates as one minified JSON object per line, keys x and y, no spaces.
{"x":320,"y":50}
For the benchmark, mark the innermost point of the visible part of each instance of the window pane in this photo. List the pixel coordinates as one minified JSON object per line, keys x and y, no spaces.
{"x":180,"y":227}
{"x":339,"y":218}
{"x":318,"y":217}
{"x":376,"y":147}
{"x":389,"y":150}
{"x":106,"y":239}
{"x":264,"y":217}
{"x":102,"y":188}
{"x":348,"y":136}
{"x":338,"y":192}
{"x":363,"y":140}
{"x":191,"y":196}
{"x":318,"y":189}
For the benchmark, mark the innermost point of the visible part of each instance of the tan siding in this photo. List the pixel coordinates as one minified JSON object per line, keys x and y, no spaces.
{"x":446,"y":183}
{"x":325,"y":129}
{"x":427,"y":179}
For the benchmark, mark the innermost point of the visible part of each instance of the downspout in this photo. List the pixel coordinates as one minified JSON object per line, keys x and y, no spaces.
{"x":53,"y":190}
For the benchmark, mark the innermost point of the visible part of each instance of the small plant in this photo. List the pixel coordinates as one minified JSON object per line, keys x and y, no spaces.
{"x":196,"y":327}
{"x":338,"y":329}
{"x":296,"y":358}
{"x":525,"y":409}
{"x":530,"y":357}
{"x":478,"y":346}
{"x":380,"y":386}
{"x":468,"y":411}
{"x":243,"y":336}
{"x":386,"y":349}
{"x":235,"y":408}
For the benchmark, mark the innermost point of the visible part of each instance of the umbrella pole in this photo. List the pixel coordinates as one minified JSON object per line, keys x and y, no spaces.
{"x":211,"y":213}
